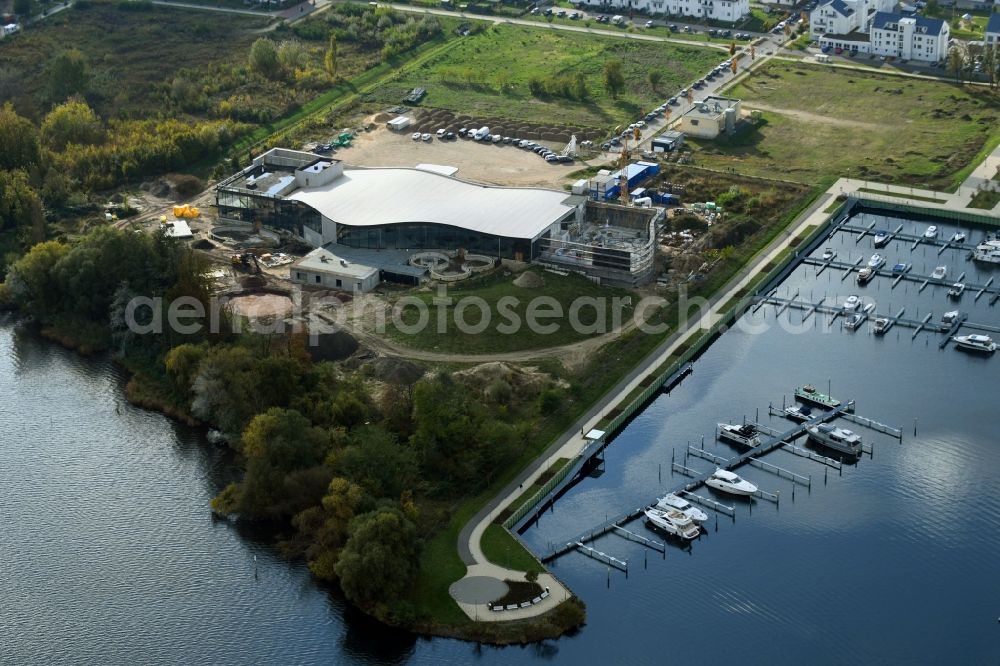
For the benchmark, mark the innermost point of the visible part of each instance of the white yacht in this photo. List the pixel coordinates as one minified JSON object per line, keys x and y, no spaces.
{"x":868,"y":308}
{"x":852,"y":303}
{"x":881,"y":325}
{"x":829,"y":253}
{"x":983,"y":343}
{"x":987,"y":252}
{"x":674,"y":502}
{"x":940,"y":273}
{"x":956,"y":290}
{"x":931,"y":232}
{"x":799,"y":413}
{"x":729,"y":482}
{"x":838,"y":439}
{"x":673,"y":522}
{"x":865,"y":276}
{"x":881,"y":238}
{"x":958,"y":237}
{"x":745,"y":435}
{"x":876,"y":262}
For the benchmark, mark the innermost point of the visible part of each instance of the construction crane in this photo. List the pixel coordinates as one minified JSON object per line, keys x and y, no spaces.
{"x":570,"y":148}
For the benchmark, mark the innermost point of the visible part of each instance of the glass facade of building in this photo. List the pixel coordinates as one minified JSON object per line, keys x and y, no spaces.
{"x":269,"y":211}
{"x":429,"y":236}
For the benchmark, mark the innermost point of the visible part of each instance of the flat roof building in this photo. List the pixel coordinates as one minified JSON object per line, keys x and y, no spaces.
{"x":711,"y":117}
{"x":397,"y":210}
{"x":323,"y":268}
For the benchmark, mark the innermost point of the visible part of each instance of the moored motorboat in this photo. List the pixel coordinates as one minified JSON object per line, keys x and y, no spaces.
{"x":881,"y":325}
{"x":900,"y":268}
{"x":829,"y":253}
{"x":975,"y":342}
{"x":838,"y":439}
{"x":876,"y":262}
{"x":956,"y":290}
{"x":940,"y":273}
{"x":931,"y":232}
{"x":948,"y":319}
{"x":745,"y":435}
{"x":674,"y":502}
{"x":809,"y":394}
{"x":673,"y":522}
{"x":852,"y":303}
{"x":958,"y":237}
{"x":868,"y":308}
{"x":881,"y":238}
{"x":800,"y":413}
{"x":854,"y":321}
{"x":865,"y":276}
{"x":728,"y":482}
{"x":987,"y":252}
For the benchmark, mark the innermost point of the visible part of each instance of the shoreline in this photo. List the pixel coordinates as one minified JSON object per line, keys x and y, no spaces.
{"x":565,"y":619}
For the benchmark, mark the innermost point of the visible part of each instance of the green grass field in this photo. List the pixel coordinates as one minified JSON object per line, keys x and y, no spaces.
{"x":132,"y":53}
{"x":985,"y":199}
{"x":491,"y":289}
{"x":488,"y":74}
{"x":834,"y":122}
{"x":959,"y":29}
{"x":501,"y":548}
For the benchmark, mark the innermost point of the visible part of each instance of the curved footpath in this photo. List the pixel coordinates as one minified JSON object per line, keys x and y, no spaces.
{"x":572,"y":441}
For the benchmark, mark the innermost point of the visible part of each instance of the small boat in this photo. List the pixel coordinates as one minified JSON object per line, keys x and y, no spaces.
{"x":673,"y":522}
{"x":931,"y":232}
{"x":948,"y":320}
{"x":868,"y":308}
{"x":876,"y":262}
{"x":829,"y":253}
{"x":956,"y":290}
{"x":900,"y":268}
{"x":809,"y":394}
{"x":881,"y":238}
{"x":731,"y":483}
{"x":982,"y":343}
{"x":865,"y":276}
{"x":958,"y":237}
{"x":987,"y":252}
{"x":745,"y":435}
{"x":852,"y":303}
{"x":838,"y":439}
{"x":854,"y":321}
{"x":939,"y":273}
{"x":881,"y":325}
{"x":800,"y":413}
{"x":674,"y":502}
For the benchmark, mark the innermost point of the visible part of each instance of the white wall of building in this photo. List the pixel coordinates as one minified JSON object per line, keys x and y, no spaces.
{"x":905,"y":39}
{"x":719,"y":10}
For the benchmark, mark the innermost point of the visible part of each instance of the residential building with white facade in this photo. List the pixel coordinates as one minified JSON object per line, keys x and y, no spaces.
{"x":909,"y":37}
{"x":719,"y":10}
{"x":842,"y":17}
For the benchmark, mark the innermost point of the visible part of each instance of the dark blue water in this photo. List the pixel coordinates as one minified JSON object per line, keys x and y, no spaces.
{"x":108,"y":552}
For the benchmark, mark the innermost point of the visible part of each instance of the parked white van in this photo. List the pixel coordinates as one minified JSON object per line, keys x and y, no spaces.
{"x":481,"y":133}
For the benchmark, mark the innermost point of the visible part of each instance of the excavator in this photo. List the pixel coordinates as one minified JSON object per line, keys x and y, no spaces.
{"x":246,"y":261}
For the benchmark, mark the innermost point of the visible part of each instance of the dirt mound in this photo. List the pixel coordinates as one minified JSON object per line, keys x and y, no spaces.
{"x":396,"y":371}
{"x":529,"y":280}
{"x":252,"y":282}
{"x":332,"y":346}
{"x":526,"y":382}
{"x":381,"y":117}
{"x":203,"y":244}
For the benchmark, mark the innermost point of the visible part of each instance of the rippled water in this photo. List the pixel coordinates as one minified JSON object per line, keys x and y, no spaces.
{"x":109,"y":553}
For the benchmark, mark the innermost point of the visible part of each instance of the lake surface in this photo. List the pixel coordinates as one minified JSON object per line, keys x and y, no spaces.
{"x":110,"y":555}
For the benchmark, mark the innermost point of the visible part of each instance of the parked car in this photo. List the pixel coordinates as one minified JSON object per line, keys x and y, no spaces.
{"x":449,"y":135}
{"x":463,"y":132}
{"x":672,"y":27}
{"x":415,"y":136}
{"x":649,"y":24}
{"x":551,"y":157}
{"x":496,"y":138}
{"x":425,"y":137}
{"x":441,"y":132}
{"x":565,"y":159}
{"x":606,"y":146}
{"x":672,"y":101}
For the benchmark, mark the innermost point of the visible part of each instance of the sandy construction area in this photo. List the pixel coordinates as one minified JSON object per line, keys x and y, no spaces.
{"x":498,"y":164}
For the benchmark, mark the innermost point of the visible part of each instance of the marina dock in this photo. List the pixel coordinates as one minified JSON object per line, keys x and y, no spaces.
{"x":698,"y":479}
